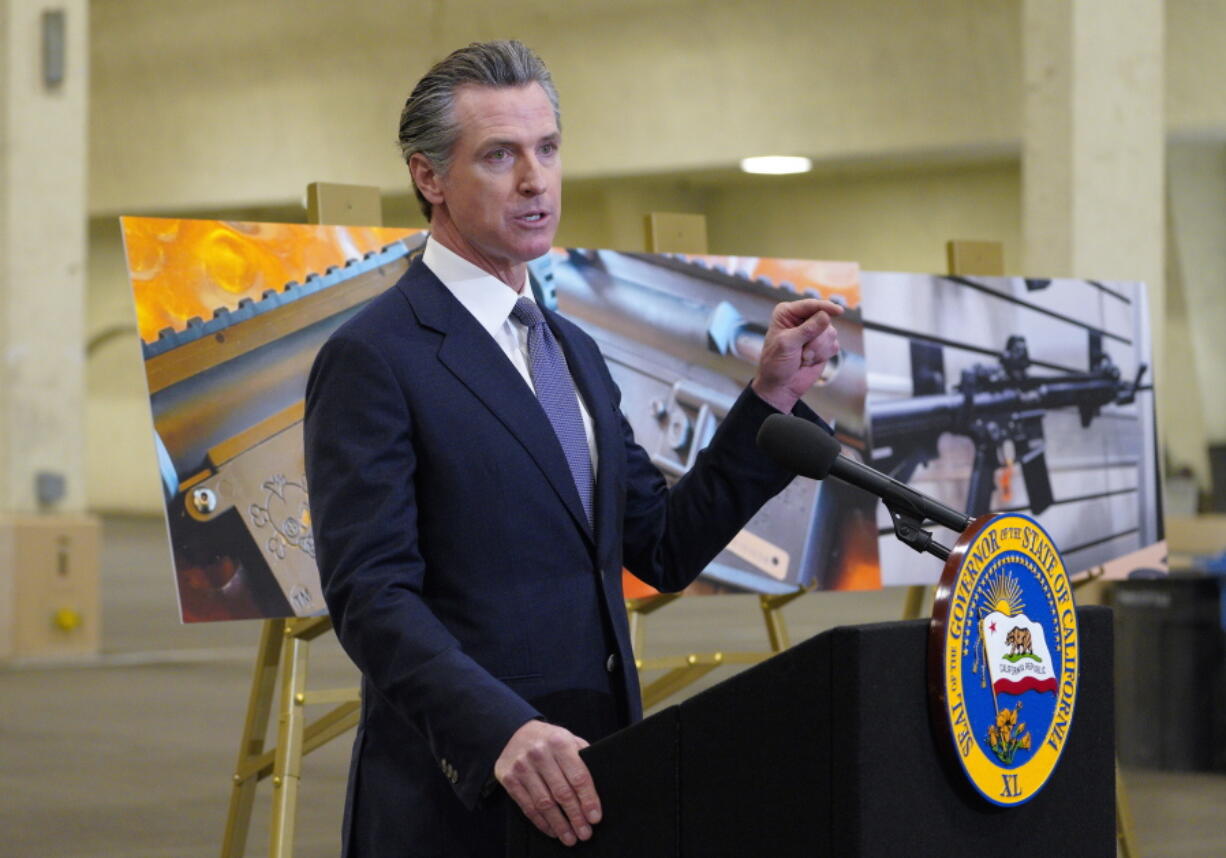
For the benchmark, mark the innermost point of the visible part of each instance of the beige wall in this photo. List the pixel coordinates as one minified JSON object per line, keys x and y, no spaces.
{"x":911,"y":110}
{"x":208,"y":105}
{"x":894,"y":221}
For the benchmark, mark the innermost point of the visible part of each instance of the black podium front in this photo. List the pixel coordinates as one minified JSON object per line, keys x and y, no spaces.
{"x":828,"y":749}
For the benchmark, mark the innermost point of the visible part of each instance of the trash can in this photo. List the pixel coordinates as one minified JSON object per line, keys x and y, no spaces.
{"x":1170,"y":684}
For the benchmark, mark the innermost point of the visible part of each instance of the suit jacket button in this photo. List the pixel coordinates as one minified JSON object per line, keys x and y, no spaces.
{"x":611,"y":664}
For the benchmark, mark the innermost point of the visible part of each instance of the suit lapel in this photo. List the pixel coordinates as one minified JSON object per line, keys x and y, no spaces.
{"x":469,"y":352}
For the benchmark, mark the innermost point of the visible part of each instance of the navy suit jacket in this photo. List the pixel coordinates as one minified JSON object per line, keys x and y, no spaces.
{"x":459,"y":569}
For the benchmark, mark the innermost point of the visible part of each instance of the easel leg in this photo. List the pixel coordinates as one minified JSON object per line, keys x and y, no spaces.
{"x":287,"y":767}
{"x":776,"y":627}
{"x":259,"y":708}
{"x":634,"y":620}
{"x":913,"y":606}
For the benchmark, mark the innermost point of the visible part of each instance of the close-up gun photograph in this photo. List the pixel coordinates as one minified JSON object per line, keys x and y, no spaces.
{"x":1008,"y":394}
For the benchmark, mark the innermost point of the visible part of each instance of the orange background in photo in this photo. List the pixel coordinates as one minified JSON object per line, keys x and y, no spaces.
{"x":824,"y":277}
{"x":186,"y":268}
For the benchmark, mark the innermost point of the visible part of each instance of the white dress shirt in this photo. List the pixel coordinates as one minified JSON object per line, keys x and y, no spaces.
{"x":489,"y":300}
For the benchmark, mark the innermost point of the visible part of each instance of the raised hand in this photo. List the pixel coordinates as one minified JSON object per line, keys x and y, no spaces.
{"x":800,"y":340}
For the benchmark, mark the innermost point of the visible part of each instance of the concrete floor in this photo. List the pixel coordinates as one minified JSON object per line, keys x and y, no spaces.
{"x":130,"y":754}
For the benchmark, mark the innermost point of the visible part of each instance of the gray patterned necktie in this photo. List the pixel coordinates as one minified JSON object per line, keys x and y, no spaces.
{"x":556,"y":393}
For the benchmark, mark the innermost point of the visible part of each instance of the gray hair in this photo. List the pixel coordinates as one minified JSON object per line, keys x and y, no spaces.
{"x":427,"y":123}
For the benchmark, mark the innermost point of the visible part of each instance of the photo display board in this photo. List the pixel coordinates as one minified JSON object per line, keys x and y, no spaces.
{"x":971,"y":389}
{"x":1017,"y":395}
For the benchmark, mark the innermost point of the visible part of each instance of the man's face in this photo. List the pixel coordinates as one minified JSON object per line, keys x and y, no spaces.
{"x":500,"y":200}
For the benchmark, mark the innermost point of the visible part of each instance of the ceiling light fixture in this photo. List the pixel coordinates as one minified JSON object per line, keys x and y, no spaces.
{"x":776,"y":165}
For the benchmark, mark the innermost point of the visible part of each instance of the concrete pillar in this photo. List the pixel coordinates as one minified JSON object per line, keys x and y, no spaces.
{"x":1093,"y":201}
{"x":48,"y":548}
{"x":1093,"y":148}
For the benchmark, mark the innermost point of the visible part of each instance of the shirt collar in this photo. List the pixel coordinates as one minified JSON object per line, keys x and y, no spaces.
{"x":483,"y":295}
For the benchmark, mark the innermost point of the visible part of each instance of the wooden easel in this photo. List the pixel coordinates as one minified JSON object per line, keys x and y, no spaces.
{"x":284,"y":649}
{"x":282,"y":660}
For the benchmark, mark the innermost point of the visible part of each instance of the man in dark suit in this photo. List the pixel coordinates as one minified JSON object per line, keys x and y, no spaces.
{"x":472,"y":514}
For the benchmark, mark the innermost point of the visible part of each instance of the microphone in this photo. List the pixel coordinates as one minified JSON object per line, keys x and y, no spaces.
{"x":805,"y":448}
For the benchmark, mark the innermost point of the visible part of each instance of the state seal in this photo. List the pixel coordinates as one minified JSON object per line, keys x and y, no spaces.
{"x":1003,"y":653}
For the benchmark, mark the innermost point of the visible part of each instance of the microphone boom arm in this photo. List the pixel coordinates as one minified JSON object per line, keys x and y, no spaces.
{"x":804,"y":448}
{"x":908,"y":508}
{"x":908,"y":527}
